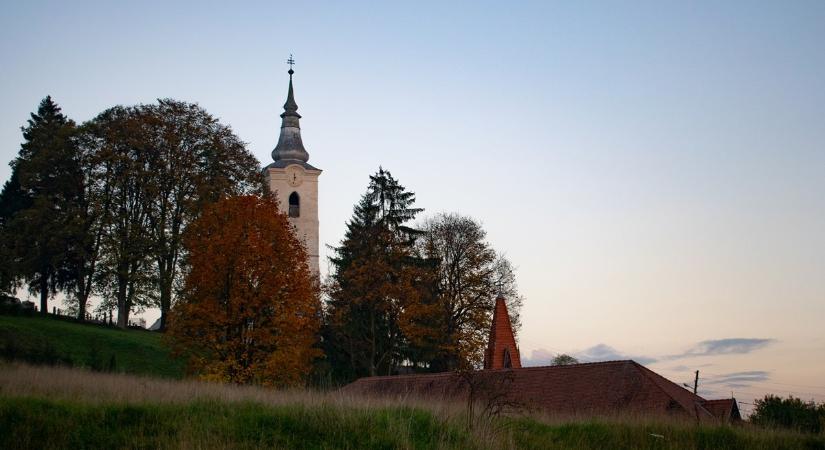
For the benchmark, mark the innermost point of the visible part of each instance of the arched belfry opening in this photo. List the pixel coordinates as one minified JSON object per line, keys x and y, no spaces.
{"x":294,"y":205}
{"x":508,"y":363}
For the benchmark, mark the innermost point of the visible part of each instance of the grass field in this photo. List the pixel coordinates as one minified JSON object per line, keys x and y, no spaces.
{"x":47,"y":340}
{"x":53,"y":407}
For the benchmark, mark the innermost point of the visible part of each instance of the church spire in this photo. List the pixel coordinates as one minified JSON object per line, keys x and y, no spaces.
{"x":502,"y":352}
{"x":290,"y":146}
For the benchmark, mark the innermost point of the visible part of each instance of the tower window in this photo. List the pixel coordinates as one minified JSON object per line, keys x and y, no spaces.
{"x":294,"y":205}
{"x":508,"y":363}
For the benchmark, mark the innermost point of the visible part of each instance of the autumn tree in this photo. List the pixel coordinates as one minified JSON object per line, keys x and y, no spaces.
{"x":39,"y":204}
{"x":250,"y":307}
{"x":377,"y":291}
{"x":469,"y":276}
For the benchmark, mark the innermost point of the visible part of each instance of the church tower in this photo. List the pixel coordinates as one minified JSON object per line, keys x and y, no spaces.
{"x":502,"y":352}
{"x":293,"y":180}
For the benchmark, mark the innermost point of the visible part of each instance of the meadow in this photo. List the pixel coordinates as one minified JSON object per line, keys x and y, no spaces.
{"x":60,"y":407}
{"x":53,"y":340}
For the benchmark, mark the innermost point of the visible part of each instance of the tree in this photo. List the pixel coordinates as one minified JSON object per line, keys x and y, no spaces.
{"x":469,"y":276}
{"x":197,"y":161}
{"x":40,"y":202}
{"x":12,"y":200}
{"x":563,"y":359}
{"x":123,"y":146}
{"x":377,"y":288}
{"x":777,"y":412}
{"x":250,"y":308}
{"x":151,"y":169}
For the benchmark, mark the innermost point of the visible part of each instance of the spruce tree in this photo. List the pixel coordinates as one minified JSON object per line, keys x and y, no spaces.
{"x":376,"y":285}
{"x":12,"y":199}
{"x":40,"y":235}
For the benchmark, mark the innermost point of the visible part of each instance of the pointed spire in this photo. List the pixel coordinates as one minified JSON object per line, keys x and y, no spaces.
{"x":502,"y":351}
{"x":290,"y":107}
{"x":290,"y":145}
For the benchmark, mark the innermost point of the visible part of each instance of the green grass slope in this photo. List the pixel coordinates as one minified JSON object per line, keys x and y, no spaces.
{"x":35,"y":423}
{"x":45,"y":340}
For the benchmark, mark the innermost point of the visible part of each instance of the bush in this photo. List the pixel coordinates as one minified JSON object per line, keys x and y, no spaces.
{"x":791,"y":412}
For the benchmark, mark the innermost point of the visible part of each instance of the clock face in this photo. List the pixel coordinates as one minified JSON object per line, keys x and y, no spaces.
{"x":294,"y":176}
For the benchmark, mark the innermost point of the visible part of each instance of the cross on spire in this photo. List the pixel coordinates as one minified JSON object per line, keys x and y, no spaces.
{"x":291,"y":62}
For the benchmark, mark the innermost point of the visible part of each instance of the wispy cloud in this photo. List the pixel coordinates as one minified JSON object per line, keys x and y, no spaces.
{"x":599,"y":352}
{"x":739,"y":379}
{"x":540,"y":357}
{"x":730,"y":346}
{"x":604,"y":352}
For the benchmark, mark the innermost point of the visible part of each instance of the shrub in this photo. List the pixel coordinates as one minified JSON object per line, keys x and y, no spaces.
{"x":791,"y":412}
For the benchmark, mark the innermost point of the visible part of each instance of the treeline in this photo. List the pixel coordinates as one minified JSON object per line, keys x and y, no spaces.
{"x":400,"y":298}
{"x":162,"y":206}
{"x":414,"y":298}
{"x":100,"y":208}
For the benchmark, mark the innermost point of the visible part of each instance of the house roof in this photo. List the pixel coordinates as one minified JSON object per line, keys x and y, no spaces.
{"x":725,"y":409}
{"x":601,"y":388}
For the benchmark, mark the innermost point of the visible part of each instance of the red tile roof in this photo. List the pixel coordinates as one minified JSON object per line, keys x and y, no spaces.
{"x":725,"y":409}
{"x":591,"y":389}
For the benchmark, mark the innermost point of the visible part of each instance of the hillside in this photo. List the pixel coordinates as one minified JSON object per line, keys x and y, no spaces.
{"x":71,"y":408}
{"x":48,"y":340}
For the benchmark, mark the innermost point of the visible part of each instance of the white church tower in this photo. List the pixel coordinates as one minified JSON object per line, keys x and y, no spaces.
{"x":293,"y":180}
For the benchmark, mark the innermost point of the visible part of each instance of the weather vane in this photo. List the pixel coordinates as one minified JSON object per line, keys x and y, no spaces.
{"x":290,"y":61}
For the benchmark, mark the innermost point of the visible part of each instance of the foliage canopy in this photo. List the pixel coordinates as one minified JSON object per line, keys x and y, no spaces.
{"x":250,"y":307}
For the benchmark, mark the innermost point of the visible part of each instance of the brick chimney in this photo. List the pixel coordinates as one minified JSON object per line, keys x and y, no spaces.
{"x":502,"y":352}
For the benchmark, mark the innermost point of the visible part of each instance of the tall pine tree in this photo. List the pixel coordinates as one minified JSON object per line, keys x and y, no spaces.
{"x":40,"y":235}
{"x":376,"y":286}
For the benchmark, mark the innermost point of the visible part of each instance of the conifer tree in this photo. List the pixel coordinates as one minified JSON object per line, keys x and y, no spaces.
{"x":377,"y":285}
{"x":12,"y":200}
{"x":40,"y":234}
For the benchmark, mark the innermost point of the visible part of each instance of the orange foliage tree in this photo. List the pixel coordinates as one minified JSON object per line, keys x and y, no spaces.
{"x":249,"y":312}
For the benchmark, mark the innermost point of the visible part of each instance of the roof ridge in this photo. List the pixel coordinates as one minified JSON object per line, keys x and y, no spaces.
{"x":449,"y":373}
{"x":590,"y":363}
{"x":658,"y":381}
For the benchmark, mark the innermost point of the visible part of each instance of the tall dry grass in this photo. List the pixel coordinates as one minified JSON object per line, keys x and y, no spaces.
{"x":158,"y":413}
{"x":73,"y":384}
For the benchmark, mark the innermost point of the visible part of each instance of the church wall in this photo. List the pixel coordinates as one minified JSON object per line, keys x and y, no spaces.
{"x":307,"y":224}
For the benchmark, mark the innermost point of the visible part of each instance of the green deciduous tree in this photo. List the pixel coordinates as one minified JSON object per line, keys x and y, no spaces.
{"x":469,"y":276}
{"x":777,"y":412}
{"x":563,"y":360}
{"x":154,"y":168}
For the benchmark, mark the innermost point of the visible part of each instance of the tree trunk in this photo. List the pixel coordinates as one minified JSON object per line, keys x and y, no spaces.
{"x":122,"y":307}
{"x":44,"y":293}
{"x":165,"y":297}
{"x":81,"y":309}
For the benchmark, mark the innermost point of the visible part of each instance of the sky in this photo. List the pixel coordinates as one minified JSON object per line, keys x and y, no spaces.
{"x":654,"y":170}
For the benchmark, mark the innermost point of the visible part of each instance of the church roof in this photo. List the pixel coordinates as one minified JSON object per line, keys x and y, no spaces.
{"x":282,"y":163}
{"x":590,"y":389}
{"x":290,"y":146}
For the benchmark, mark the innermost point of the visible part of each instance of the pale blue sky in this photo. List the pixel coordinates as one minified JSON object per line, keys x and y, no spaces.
{"x":655,"y":170}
